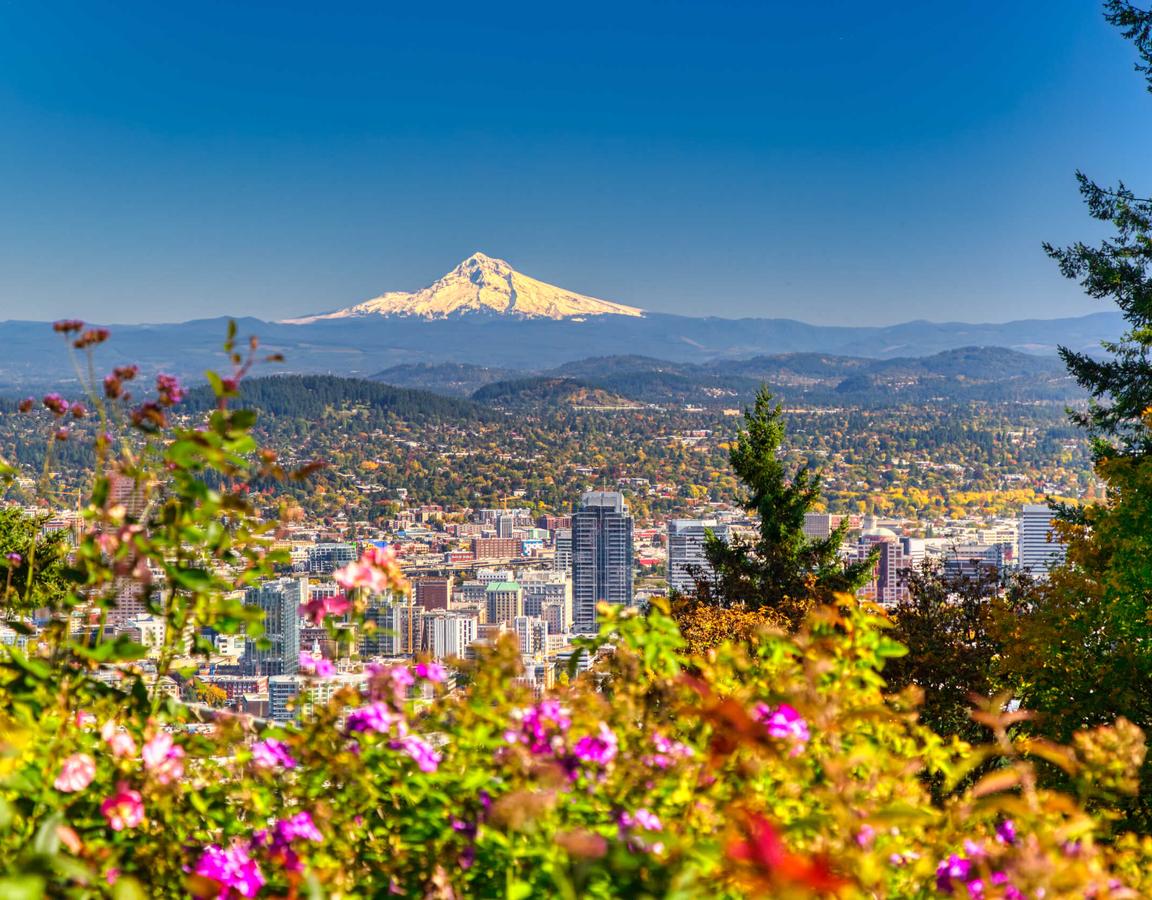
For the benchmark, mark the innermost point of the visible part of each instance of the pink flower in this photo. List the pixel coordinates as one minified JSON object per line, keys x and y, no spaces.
{"x":375,"y":571}
{"x":402,"y":679}
{"x":316,"y":665}
{"x":233,"y":869}
{"x":319,"y":608}
{"x":784,"y":723}
{"x":668,"y":752}
{"x":423,"y":753}
{"x":272,"y":753}
{"x":431,"y":671}
{"x":124,"y":809}
{"x":359,"y":575}
{"x":642,"y":818}
{"x":76,"y":773}
{"x":164,"y":758}
{"x":381,"y":557}
{"x":119,"y":742}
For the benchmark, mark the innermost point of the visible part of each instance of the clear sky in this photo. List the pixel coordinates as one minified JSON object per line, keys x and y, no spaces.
{"x":836,"y":162}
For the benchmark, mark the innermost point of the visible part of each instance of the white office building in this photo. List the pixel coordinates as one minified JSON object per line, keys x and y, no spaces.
{"x":687,"y":561}
{"x":1040,"y":547}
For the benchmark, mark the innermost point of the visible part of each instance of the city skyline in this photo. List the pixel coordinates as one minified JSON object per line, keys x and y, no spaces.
{"x":834,"y":165}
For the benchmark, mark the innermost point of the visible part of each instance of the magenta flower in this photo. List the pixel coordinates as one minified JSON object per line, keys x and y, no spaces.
{"x":951,"y":872}
{"x":1011,"y":892}
{"x":318,"y":609}
{"x":164,"y":758}
{"x":271,"y":754}
{"x":233,"y":869}
{"x":124,"y":809}
{"x":316,"y":665}
{"x":169,"y":389}
{"x":431,"y":671}
{"x":377,"y":717}
{"x":25,"y":405}
{"x":1006,"y":832}
{"x":598,"y":749}
{"x":57,"y":404}
{"x":784,"y":723}
{"x":278,"y":840}
{"x":76,"y":773}
{"x":299,"y":827}
{"x":422,"y":753}
{"x":542,"y":727}
{"x":865,"y":836}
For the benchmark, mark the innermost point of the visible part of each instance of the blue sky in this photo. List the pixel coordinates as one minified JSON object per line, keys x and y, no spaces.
{"x":840,"y":163}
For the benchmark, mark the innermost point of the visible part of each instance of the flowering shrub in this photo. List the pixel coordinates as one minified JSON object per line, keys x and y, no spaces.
{"x":777,"y":766}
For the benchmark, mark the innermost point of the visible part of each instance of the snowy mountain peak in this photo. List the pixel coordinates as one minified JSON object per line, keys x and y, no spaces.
{"x":482,"y":284}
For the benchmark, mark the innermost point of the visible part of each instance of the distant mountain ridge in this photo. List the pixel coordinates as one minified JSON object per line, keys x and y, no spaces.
{"x":34,"y":357}
{"x":966,"y":374}
{"x":481,"y":284}
{"x":485,"y":314}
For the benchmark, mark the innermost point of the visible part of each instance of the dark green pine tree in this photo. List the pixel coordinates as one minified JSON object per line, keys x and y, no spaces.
{"x":1119,"y":268}
{"x":781,"y":568}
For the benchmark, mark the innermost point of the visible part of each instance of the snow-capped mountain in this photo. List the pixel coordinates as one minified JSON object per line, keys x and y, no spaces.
{"x":481,"y":284}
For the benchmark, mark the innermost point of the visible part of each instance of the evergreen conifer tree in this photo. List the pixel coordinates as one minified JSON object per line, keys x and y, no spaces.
{"x":1120,"y":268}
{"x":781,"y":569}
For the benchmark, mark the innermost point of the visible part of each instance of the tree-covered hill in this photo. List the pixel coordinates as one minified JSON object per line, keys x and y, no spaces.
{"x":314,"y":396}
{"x":982,"y":374}
{"x":549,"y":392}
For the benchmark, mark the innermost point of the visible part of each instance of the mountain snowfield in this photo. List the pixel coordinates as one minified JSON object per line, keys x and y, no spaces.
{"x":481,"y":284}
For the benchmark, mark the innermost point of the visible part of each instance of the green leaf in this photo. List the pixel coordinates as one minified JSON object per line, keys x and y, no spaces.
{"x":47,"y":841}
{"x":519,"y":890}
{"x":192,"y":579}
{"x":22,"y":887}
{"x":888,"y":648}
{"x":34,"y":667}
{"x":128,"y":888}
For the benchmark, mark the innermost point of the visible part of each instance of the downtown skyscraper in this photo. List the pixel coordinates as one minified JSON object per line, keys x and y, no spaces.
{"x":280,"y":600}
{"x":601,"y":556}
{"x":1040,"y":547}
